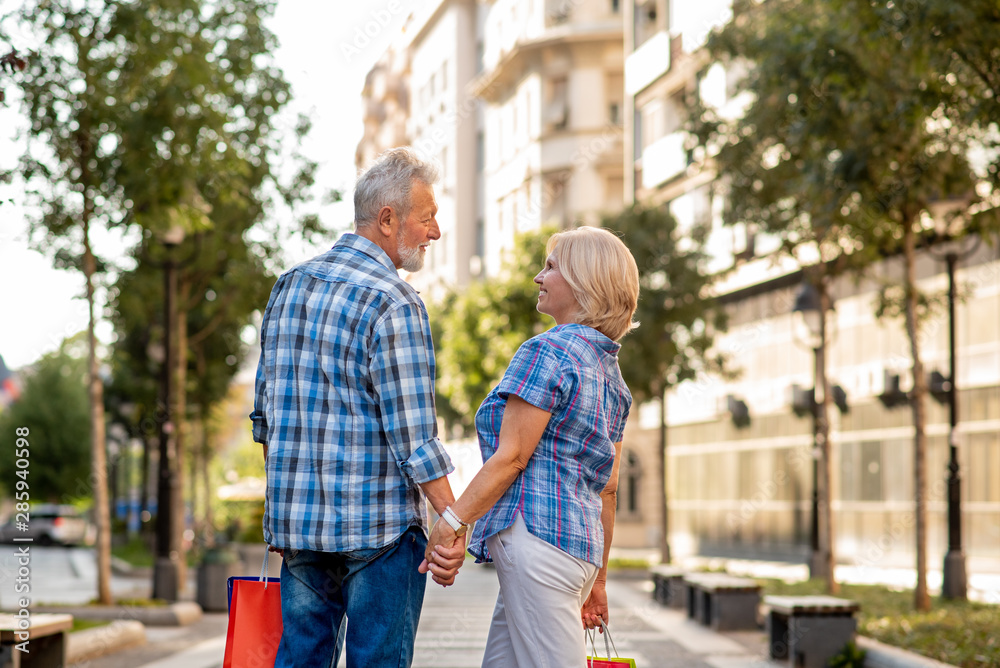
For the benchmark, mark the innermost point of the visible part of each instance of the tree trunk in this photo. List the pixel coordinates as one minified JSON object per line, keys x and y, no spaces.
{"x":95,"y":391}
{"x":206,"y":439}
{"x":922,"y":599}
{"x":179,"y":415}
{"x":826,"y":524}
{"x":144,"y":485}
{"x":664,"y":523}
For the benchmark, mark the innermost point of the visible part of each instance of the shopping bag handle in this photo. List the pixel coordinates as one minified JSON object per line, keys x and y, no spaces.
{"x":609,"y":642}
{"x":263,"y":567}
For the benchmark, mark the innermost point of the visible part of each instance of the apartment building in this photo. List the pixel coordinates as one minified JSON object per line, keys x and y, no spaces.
{"x":418,"y":94}
{"x":740,"y":467}
{"x":552,"y":136}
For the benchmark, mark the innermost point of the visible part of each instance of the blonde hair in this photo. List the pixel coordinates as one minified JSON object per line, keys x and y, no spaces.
{"x":602,"y":273}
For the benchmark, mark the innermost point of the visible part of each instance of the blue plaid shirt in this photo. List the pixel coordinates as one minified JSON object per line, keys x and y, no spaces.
{"x":345,"y":403}
{"x":572,"y":372}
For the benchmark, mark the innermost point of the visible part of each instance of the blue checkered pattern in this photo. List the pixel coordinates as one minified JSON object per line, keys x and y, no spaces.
{"x":345,"y":403}
{"x":572,"y":372}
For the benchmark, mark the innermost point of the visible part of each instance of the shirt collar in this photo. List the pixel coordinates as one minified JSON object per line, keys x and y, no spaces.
{"x":592,"y":335}
{"x":356,"y":242}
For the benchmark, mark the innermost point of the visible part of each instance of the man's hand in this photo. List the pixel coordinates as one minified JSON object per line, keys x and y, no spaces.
{"x":445,"y":554}
{"x":596,"y":608}
{"x":272,"y":548}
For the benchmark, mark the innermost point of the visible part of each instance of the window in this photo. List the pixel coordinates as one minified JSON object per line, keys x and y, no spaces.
{"x":628,"y":486}
{"x":645,"y":21}
{"x":557,"y":113}
{"x":652,"y":122}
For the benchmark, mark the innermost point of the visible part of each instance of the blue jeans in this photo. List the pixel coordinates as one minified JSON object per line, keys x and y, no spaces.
{"x":379,"y":591}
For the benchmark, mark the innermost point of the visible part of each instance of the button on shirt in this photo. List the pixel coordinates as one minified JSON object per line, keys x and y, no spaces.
{"x":345,"y":403}
{"x":570,"y":371}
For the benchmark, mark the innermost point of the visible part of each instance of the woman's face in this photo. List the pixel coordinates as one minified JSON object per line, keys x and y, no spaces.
{"x":555,"y":297}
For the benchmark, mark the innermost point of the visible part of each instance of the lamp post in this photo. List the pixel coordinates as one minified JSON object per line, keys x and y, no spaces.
{"x":952,"y":246}
{"x":166,"y":566}
{"x":812,"y":303}
{"x":954,"y":583}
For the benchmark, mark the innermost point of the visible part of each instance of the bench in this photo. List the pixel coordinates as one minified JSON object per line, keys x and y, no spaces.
{"x":46,"y":640}
{"x":668,"y":588}
{"x":721,"y":601}
{"x":806,"y":631}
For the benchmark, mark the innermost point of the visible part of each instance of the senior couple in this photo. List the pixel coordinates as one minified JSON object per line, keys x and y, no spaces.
{"x":344,"y":408}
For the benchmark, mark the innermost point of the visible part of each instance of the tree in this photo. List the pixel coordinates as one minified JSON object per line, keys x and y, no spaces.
{"x":68,"y":80}
{"x":151,"y":116}
{"x":839,"y":150}
{"x":9,"y":64}
{"x":53,"y":407}
{"x":677,"y":318}
{"x":217,"y":308}
{"x":478,"y":330}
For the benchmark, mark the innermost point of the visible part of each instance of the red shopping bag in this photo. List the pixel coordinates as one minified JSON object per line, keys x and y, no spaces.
{"x":254,"y":622}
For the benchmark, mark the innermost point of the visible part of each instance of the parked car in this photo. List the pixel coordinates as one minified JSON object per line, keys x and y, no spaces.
{"x":49,"y":524}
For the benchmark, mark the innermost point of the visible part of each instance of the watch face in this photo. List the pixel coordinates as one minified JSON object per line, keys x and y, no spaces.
{"x":461,"y":530}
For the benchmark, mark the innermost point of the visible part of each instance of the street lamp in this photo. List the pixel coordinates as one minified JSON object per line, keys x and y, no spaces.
{"x":954,"y":583}
{"x":812,"y":303}
{"x":166,"y":566}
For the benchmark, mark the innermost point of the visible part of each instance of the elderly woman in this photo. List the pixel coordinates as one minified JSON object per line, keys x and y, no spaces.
{"x":550,"y":434}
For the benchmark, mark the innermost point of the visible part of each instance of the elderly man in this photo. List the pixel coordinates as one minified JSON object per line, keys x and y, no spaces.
{"x":345,"y":411}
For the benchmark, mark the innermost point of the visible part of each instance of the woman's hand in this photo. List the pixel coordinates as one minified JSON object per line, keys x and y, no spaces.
{"x":596,"y":607}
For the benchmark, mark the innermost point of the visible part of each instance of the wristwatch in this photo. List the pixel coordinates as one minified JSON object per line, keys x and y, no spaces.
{"x":451,"y":518}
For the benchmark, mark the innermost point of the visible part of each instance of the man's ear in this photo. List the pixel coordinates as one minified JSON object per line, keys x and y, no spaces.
{"x":384,"y":220}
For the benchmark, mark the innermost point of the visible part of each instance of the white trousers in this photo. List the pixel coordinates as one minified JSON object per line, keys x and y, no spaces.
{"x":536,"y":621}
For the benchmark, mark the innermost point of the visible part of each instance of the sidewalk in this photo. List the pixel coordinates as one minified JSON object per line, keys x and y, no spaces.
{"x":454,"y":626}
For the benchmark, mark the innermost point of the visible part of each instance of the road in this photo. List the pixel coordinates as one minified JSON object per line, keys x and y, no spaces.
{"x":57,"y":575}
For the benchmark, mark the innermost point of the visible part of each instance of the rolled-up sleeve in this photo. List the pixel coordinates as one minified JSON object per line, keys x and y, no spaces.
{"x":259,"y":415}
{"x":402,"y":372}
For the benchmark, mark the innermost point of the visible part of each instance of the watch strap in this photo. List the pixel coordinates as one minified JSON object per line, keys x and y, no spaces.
{"x":453,"y":520}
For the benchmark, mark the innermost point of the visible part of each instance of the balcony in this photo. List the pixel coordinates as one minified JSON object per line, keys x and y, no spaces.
{"x":664,"y":159}
{"x":647,"y":63}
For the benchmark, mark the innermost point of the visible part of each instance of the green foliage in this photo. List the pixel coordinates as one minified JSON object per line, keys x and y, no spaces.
{"x":958,"y":633}
{"x":676,"y":315}
{"x":54,"y":408}
{"x":136,"y":552}
{"x":850,"y":657}
{"x":960,"y":43}
{"x":840,"y":144}
{"x":854,"y":126}
{"x":478,"y":330}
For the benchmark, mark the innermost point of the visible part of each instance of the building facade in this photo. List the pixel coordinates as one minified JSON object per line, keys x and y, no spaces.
{"x":740,"y":453}
{"x":431,"y":66}
{"x":552,"y":89}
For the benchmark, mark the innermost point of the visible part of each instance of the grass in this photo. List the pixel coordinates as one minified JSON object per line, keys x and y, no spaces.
{"x":138,"y":553}
{"x":82,"y":624}
{"x":960,"y":633}
{"x":626,"y":564}
{"x":135,"y":552}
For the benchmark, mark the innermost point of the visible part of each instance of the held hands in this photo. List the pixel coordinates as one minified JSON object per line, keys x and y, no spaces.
{"x":596,"y":607}
{"x":445,"y":554}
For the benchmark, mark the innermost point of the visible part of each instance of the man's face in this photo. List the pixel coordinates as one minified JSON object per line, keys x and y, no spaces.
{"x":419,"y":228}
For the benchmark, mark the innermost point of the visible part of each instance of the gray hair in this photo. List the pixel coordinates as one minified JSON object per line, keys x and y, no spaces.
{"x":388,"y":183}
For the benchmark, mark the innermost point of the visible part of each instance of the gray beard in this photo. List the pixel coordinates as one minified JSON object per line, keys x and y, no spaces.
{"x":411,"y":258}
